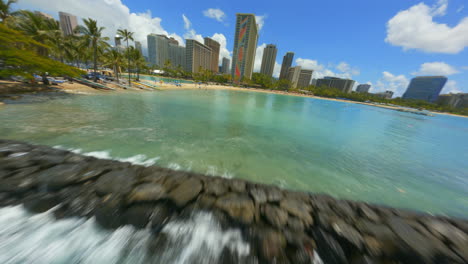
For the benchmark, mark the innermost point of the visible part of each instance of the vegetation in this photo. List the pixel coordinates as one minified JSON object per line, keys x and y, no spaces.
{"x":5,"y":9}
{"x":126,"y":36}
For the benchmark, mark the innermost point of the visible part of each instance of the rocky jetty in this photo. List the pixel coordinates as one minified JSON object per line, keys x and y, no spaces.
{"x":281,"y":226}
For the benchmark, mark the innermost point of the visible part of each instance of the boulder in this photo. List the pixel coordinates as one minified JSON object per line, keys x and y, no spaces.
{"x":348,"y":232}
{"x":60,"y":176}
{"x":216,"y":187}
{"x":259,"y":195}
{"x":272,"y":245}
{"x":238,"y":206}
{"x":298,"y":208}
{"x":118,"y":182}
{"x":41,"y":203}
{"x":295,"y":224}
{"x":368,"y":213}
{"x":276,"y":216}
{"x":148,"y":192}
{"x":328,"y":248}
{"x":185,"y":192}
{"x":237,"y":186}
{"x":137,"y":215}
{"x":159,"y":217}
{"x":274,"y":194}
{"x":108,"y":212}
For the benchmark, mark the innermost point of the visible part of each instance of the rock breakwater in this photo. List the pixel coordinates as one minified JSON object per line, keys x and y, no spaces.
{"x":280,"y":226}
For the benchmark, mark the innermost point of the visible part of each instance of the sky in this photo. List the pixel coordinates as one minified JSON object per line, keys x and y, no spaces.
{"x":384,"y":43}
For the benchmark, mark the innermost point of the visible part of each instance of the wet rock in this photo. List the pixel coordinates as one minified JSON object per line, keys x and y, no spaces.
{"x":299,"y":209}
{"x":174,"y":179}
{"x":157,"y":245}
{"x":159,"y":217}
{"x":273,"y":245}
{"x":238,"y":206}
{"x":348,"y":233}
{"x":17,"y":185}
{"x":445,"y":231}
{"x":273,"y":194}
{"x":295,"y":224}
{"x":41,"y":203}
{"x":368,"y":213}
{"x":206,"y":201}
{"x":345,"y":210}
{"x":185,"y":192}
{"x":24,"y":172}
{"x":237,"y":186}
{"x":60,"y":176}
{"x":328,"y":248}
{"x":109,"y":212}
{"x":216,"y":187}
{"x":148,"y":192}
{"x":259,"y":195}
{"x":137,"y":215}
{"x":117,"y":182}
{"x":275,"y":215}
{"x":365,"y":260}
{"x":373,"y":246}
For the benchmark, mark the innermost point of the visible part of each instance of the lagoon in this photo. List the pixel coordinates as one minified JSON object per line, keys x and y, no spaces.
{"x":343,"y":149}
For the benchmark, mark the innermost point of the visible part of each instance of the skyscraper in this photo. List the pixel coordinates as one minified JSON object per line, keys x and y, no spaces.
{"x":293,"y":76}
{"x":176,"y":54}
{"x":138,"y":47}
{"x":268,"y":60}
{"x":425,"y":88}
{"x":215,"y":46}
{"x":225,"y":66}
{"x":118,"y":40}
{"x":344,"y":85}
{"x":68,"y":23}
{"x":286,"y":64}
{"x":245,"y":45}
{"x":304,"y":78}
{"x":363,"y":88}
{"x":197,"y":56}
{"x":158,"y":49}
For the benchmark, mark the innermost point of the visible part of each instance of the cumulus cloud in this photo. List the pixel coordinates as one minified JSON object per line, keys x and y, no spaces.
{"x":258,"y":61}
{"x":345,"y":70}
{"x":451,"y":87}
{"x":111,"y":14}
{"x":391,"y":82}
{"x":260,"y":21}
{"x":215,"y":13}
{"x":190,"y":33}
{"x":436,"y":68}
{"x":415,"y":28}
{"x":223,"y":50}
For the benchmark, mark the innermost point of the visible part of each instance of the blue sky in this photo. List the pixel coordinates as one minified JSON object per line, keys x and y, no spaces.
{"x":383,"y":42}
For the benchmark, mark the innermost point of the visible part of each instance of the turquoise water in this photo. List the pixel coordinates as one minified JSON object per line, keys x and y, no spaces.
{"x":164,"y":79}
{"x":343,"y":149}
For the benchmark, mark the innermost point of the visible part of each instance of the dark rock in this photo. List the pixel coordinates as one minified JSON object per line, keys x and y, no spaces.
{"x":368,"y":213}
{"x":347,"y":232}
{"x":137,"y":215}
{"x":48,"y":160}
{"x":228,"y":257}
{"x":174,"y":179}
{"x":17,"y":161}
{"x":237,"y":186}
{"x":160,"y":216}
{"x":17,"y":185}
{"x":295,"y":224}
{"x":238,"y":206}
{"x":157,"y":245}
{"x":216,"y":187}
{"x":275,"y":215}
{"x":344,"y":209}
{"x":445,"y":230}
{"x":148,"y":192}
{"x":365,"y":260}
{"x":374,"y":229}
{"x":272,"y":245}
{"x":41,"y":203}
{"x":60,"y":176}
{"x":186,"y":192}
{"x":274,"y":194}
{"x":299,"y":209}
{"x":117,"y":182}
{"x":4,"y":173}
{"x":324,"y":220}
{"x":109,"y":212}
{"x":206,"y":201}
{"x":373,"y":246}
{"x":24,"y":172}
{"x":259,"y":195}
{"x":328,"y":248}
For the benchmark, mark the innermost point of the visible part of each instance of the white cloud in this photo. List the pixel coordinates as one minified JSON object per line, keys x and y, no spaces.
{"x":260,"y":21}
{"x":346,"y":68}
{"x":215,"y":13}
{"x":436,"y":68}
{"x":460,"y":9}
{"x":451,"y":87}
{"x":223,"y":51}
{"x":391,"y":82}
{"x":111,"y":14}
{"x":190,"y":33}
{"x":258,"y":61}
{"x":414,"y":28}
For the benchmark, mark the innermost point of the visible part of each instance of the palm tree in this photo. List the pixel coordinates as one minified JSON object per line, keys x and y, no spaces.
{"x":93,"y":37}
{"x":139,"y":61}
{"x":126,"y":35}
{"x":5,"y":9}
{"x":114,"y":58}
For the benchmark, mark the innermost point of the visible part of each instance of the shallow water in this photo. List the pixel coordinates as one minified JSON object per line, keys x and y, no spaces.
{"x":343,"y":149}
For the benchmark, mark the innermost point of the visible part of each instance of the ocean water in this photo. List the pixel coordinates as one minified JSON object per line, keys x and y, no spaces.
{"x":343,"y":149}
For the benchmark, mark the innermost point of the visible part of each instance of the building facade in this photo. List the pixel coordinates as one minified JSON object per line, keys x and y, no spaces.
{"x":293,"y":76}
{"x":139,"y":47}
{"x":215,"y":46}
{"x":197,"y":56}
{"x":162,"y":49}
{"x":268,"y":60}
{"x":425,"y":88}
{"x":363,"y":88}
{"x":304,"y":78}
{"x":225,"y":66}
{"x":177,"y":55}
{"x":385,"y":95}
{"x":286,"y":64}
{"x":245,"y":46}
{"x":68,"y":23}
{"x":459,"y":100}
{"x":344,"y":85}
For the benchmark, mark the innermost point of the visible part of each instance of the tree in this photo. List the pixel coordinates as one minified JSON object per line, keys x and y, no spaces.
{"x":113,"y":58}
{"x":92,"y":35}
{"x":5,"y":9}
{"x":126,"y":35}
{"x":139,"y":61}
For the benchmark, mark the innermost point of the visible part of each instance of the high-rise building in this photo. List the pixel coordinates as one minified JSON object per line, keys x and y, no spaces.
{"x":268,"y":60}
{"x":158,"y":49}
{"x":293,"y":76}
{"x":459,"y":100}
{"x":363,"y":88}
{"x":197,"y":56}
{"x":286,"y":64}
{"x":176,"y":55}
{"x":215,"y":46}
{"x":225,"y":66}
{"x":245,"y":45}
{"x":344,"y":85}
{"x":425,"y":88}
{"x":314,"y":82}
{"x":68,"y":23}
{"x":117,"y":40}
{"x":304,"y":78}
{"x":385,"y":95}
{"x":138,"y":47}
{"x":42,"y":14}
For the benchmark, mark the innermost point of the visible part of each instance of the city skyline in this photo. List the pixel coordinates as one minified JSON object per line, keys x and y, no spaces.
{"x":393,"y":70}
